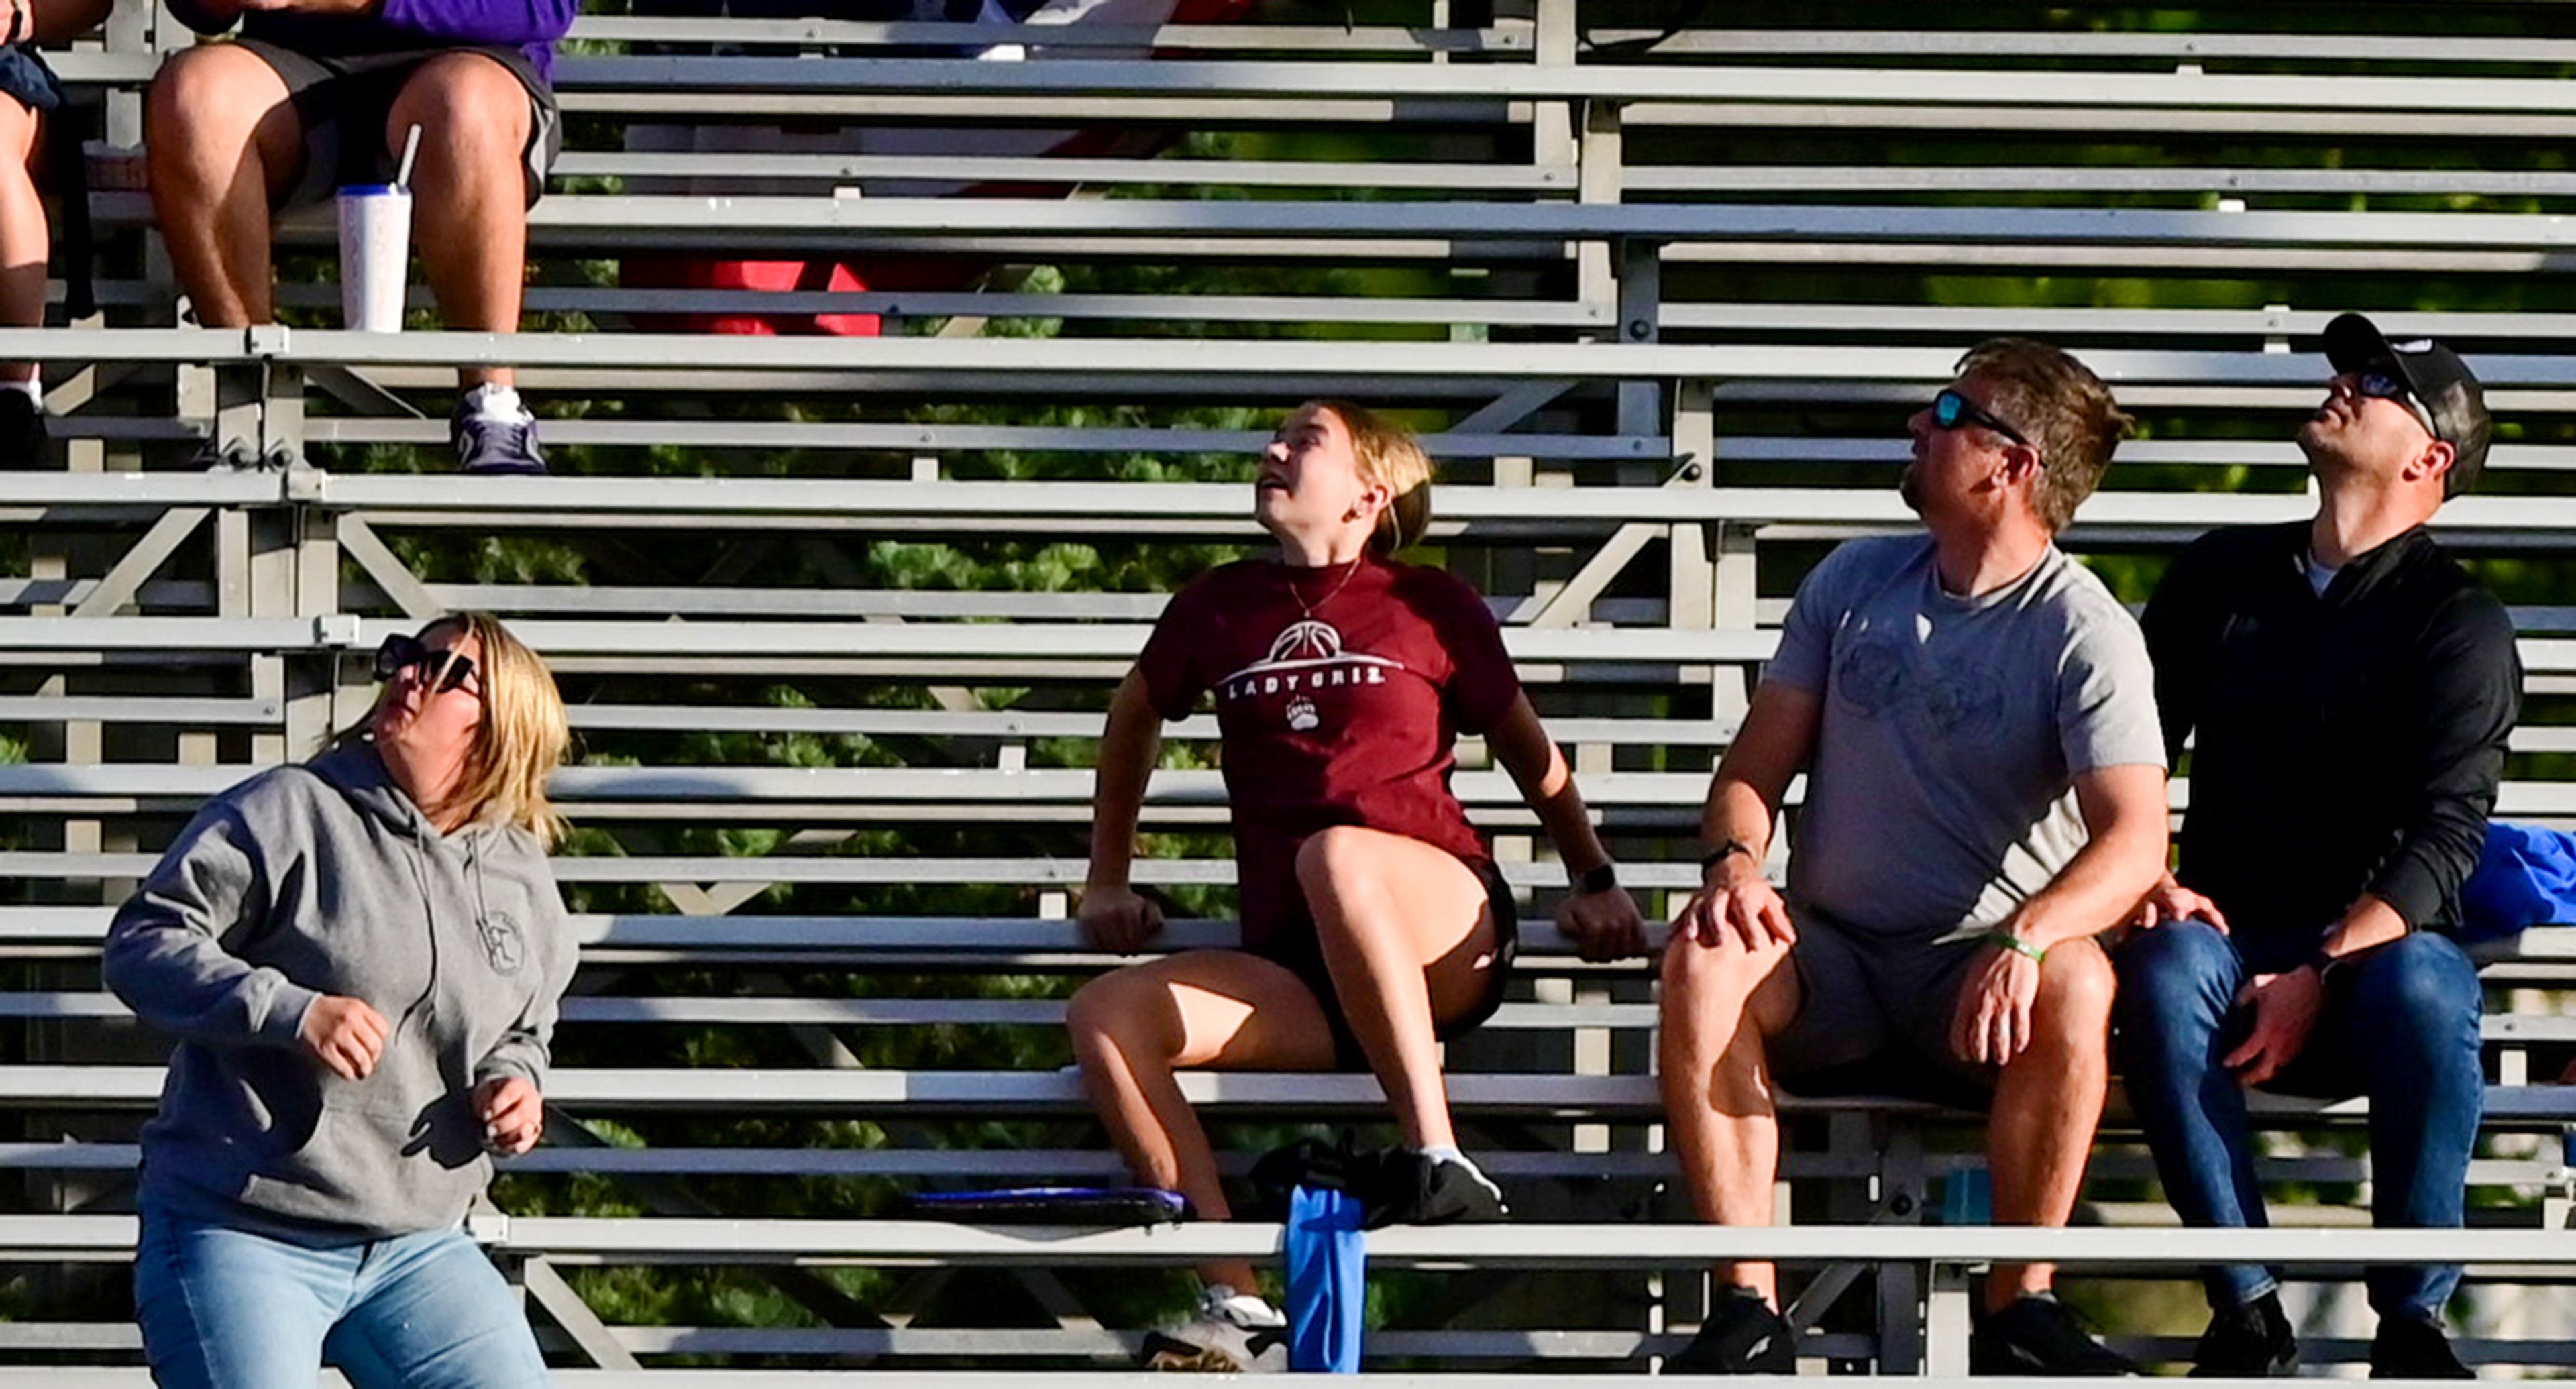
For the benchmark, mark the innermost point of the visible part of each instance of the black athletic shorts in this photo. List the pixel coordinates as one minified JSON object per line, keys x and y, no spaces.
{"x":344,"y":100}
{"x":1295,"y":947}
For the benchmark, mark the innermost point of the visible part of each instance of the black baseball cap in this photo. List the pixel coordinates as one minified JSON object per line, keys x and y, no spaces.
{"x":2439,"y":381}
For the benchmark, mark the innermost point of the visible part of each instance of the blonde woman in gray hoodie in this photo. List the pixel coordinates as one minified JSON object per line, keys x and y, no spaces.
{"x":360,"y":957}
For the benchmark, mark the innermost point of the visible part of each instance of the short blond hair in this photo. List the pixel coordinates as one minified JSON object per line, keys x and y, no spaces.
{"x":1389,"y":456}
{"x":523,"y":735}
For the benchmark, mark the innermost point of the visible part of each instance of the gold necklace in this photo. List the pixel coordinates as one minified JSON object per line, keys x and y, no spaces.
{"x":1308,"y":609}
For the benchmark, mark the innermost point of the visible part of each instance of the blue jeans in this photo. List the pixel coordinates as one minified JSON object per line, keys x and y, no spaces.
{"x":223,"y":1308}
{"x":2399,"y":1025}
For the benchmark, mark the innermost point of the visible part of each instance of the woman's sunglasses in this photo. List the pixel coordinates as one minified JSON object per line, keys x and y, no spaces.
{"x":1951,"y":410}
{"x":442,"y":671}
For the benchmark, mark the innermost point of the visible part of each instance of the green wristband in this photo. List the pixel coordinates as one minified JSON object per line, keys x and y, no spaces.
{"x":2013,"y":943}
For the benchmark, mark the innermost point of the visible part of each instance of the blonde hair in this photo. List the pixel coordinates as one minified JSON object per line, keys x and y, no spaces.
{"x":1389,"y":456}
{"x":523,"y":735}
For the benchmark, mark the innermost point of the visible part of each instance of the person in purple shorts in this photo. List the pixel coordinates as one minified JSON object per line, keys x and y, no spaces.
{"x":318,"y":94}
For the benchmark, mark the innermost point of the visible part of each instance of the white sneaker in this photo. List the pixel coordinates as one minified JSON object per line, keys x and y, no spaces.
{"x":1230,"y":1333}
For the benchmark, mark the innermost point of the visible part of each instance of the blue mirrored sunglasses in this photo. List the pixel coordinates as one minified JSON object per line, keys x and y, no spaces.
{"x":1951,"y":410}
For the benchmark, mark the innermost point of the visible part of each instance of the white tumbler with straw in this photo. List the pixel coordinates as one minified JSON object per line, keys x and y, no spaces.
{"x":375,"y":248}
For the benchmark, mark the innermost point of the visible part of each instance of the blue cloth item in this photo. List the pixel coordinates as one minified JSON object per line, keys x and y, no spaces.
{"x":2526,"y":876}
{"x":25,"y":78}
{"x":2400,"y":1024}
{"x":1327,"y":1281}
{"x":223,"y":1307}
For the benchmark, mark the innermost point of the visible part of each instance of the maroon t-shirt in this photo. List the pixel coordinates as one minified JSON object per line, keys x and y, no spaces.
{"x":1348,"y":715}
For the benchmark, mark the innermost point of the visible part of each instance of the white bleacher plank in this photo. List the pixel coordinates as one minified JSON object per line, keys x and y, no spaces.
{"x":791,"y":1011}
{"x":929,"y":1092}
{"x":1507,"y":36}
{"x":2181,"y":45}
{"x":390,"y":489}
{"x":1068,"y":169}
{"x":1496,"y":223}
{"x":918,"y":1091}
{"x":774,"y":1011}
{"x":965,"y":936}
{"x":1524,"y":1245}
{"x":1213,"y":80}
{"x":152,"y":709}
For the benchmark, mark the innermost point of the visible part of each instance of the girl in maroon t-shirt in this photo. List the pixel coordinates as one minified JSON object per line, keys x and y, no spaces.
{"x":1374,"y":922}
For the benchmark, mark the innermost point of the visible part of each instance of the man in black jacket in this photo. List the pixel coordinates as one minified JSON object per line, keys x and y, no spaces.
{"x":2352,"y":690}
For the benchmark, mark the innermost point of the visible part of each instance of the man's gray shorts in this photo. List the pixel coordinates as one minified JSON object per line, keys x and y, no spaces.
{"x":344,"y":100}
{"x":1867,"y":1000}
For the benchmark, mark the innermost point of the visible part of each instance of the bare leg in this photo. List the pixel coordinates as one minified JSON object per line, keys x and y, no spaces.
{"x":1720,"y":1004}
{"x":1132,"y":1028}
{"x":224,"y":143}
{"x":1407,"y":934}
{"x":2047,"y":1106}
{"x":23,"y":238}
{"x":469,"y":193}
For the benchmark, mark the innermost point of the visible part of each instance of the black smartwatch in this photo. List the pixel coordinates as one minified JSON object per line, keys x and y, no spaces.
{"x":2324,"y":962}
{"x":1601,"y":877}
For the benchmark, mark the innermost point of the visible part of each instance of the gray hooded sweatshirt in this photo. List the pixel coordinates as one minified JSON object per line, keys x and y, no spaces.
{"x":326,"y":879}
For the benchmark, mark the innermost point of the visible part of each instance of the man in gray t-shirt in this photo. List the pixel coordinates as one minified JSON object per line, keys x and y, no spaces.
{"x":1985,"y":792}
{"x":1940,"y":793}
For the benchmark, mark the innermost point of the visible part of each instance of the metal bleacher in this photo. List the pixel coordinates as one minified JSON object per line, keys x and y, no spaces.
{"x":838,"y":615}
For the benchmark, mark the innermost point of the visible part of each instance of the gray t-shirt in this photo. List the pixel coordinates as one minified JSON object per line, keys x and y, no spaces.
{"x":1939,"y":797}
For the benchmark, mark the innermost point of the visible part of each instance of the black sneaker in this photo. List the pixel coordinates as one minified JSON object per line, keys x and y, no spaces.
{"x":1741,"y":1336}
{"x":22,"y":432}
{"x":2039,"y":1335}
{"x":490,"y":446}
{"x":1415,"y":1189}
{"x":2409,"y":1349}
{"x":2248,"y":1342}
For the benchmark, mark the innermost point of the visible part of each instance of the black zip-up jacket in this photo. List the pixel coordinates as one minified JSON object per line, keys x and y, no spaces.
{"x":2349,"y":742}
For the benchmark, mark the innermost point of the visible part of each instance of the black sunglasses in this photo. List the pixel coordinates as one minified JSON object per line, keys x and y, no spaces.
{"x":2386,"y":384}
{"x":446,"y":670}
{"x":1951,"y":410}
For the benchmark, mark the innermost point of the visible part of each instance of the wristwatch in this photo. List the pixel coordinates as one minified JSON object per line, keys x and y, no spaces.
{"x":1601,"y":877}
{"x":2324,"y":962}
{"x":1719,"y":854}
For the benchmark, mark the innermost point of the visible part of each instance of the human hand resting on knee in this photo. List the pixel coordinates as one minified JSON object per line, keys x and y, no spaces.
{"x":1117,"y":919}
{"x":2170,"y":901}
{"x":1736,"y":904}
{"x":1991,"y":1024}
{"x":1603,"y":925}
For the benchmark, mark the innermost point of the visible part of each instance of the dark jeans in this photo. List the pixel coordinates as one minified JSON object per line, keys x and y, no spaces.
{"x":2399,"y":1025}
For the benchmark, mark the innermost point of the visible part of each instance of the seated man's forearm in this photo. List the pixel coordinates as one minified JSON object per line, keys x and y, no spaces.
{"x":2122,"y":862}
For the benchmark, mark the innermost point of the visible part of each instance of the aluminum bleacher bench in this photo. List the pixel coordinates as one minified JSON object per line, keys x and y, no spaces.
{"x":1938,"y":1257}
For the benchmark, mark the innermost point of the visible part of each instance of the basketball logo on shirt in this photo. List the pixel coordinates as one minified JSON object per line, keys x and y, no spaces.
{"x":1308,"y":640}
{"x":1305,"y":659}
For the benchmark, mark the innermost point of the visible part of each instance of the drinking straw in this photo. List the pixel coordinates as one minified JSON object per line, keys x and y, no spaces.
{"x":411,"y":147}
